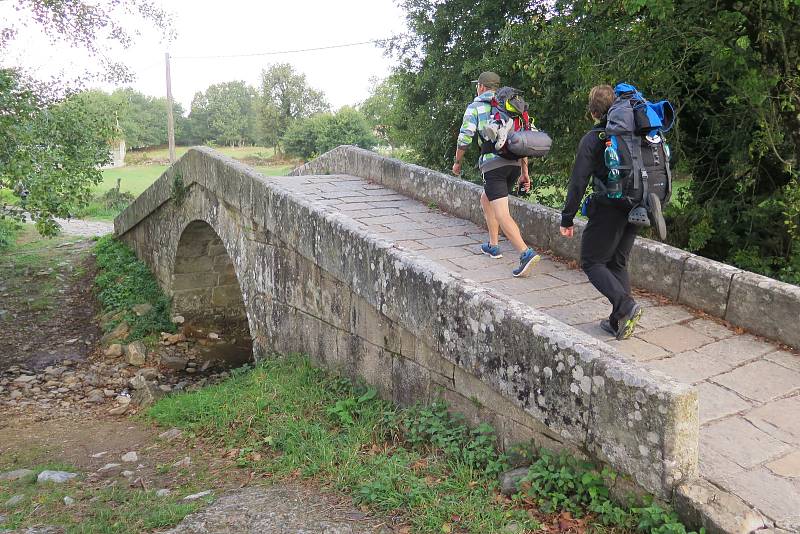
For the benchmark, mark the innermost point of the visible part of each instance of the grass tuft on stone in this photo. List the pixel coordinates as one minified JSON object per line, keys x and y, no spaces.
{"x":287,"y":419}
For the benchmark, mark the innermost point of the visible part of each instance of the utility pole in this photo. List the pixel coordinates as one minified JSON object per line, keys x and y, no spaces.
{"x":170,"y":119}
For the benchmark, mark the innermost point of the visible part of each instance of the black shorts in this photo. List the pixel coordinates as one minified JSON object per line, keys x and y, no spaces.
{"x":498,"y":183}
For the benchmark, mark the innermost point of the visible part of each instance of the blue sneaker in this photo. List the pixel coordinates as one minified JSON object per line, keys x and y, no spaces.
{"x":527,"y":260}
{"x":491,"y":250}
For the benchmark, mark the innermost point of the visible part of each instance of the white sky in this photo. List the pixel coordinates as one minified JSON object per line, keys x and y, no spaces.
{"x":212,"y":27}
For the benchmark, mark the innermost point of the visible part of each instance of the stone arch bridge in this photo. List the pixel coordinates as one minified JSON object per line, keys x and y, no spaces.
{"x":370,"y":267}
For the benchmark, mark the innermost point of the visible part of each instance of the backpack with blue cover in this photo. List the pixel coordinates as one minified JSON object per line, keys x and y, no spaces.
{"x":510,"y":132}
{"x":637,"y":156}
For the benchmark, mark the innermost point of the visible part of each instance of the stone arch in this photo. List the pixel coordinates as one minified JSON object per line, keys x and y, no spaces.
{"x":206,"y":291}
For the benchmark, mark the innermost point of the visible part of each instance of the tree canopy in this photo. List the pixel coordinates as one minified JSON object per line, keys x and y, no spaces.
{"x":285,"y":96}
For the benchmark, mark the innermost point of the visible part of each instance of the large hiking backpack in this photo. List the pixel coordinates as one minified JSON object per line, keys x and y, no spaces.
{"x":640,"y":173}
{"x":511,"y":133}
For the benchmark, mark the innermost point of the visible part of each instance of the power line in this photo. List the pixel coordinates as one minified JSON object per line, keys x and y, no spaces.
{"x":277,"y":52}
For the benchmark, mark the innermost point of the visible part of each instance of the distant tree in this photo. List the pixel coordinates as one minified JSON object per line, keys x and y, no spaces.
{"x":224,"y":114}
{"x":383,"y":111}
{"x":284,"y":97}
{"x":143,"y":118}
{"x":306,"y":138}
{"x":197,"y":123}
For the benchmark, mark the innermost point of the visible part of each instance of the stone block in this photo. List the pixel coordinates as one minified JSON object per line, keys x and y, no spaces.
{"x":761,"y":381}
{"x":411,"y":382}
{"x":786,"y":359}
{"x":335,"y":301}
{"x":201,"y":264}
{"x":741,"y":442}
{"x":786,"y":466}
{"x":229,"y":296}
{"x":569,"y":248}
{"x":780,"y":418}
{"x":375,"y":365}
{"x":194,"y":280}
{"x":676,"y":338}
{"x":717,"y":402}
{"x":699,"y":503}
{"x":706,"y":284}
{"x":737,"y":349}
{"x":689,"y":367}
{"x":369,"y":324}
{"x":777,"y":497}
{"x":657,"y":267}
{"x":762,"y":305}
{"x":651,"y":435}
{"x":191,"y":300}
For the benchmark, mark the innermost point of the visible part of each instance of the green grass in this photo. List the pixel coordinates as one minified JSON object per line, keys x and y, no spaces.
{"x":123,"y":282}
{"x":115,"y":509}
{"x":287,"y":418}
{"x":135,"y":178}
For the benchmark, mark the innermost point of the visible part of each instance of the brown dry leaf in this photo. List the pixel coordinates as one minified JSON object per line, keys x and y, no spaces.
{"x":256,"y":457}
{"x":472,"y":484}
{"x":455,"y":518}
{"x":376,"y":449}
{"x":422,"y":463}
{"x":405,"y":529}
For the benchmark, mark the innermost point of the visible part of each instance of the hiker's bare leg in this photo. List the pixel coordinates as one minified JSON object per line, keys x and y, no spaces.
{"x":491,"y":221}
{"x":507,"y":224}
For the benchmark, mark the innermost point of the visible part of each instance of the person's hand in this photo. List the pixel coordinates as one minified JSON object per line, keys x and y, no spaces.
{"x":567,"y":232}
{"x":525,"y":182}
{"x":457,"y":168}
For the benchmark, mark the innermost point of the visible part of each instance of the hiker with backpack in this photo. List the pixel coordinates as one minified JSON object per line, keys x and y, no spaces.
{"x":627,"y":157}
{"x":497,"y":127}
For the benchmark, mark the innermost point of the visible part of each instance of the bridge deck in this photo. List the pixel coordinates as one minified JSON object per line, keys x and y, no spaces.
{"x":749,"y":388}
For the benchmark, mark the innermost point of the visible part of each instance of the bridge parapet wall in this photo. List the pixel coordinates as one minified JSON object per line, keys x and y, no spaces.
{"x":313,"y":281}
{"x":760,"y":304}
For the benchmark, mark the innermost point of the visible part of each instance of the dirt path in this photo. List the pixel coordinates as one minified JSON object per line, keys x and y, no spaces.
{"x":56,"y":387}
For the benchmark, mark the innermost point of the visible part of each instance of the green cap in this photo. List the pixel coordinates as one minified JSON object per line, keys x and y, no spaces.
{"x":489,"y":79}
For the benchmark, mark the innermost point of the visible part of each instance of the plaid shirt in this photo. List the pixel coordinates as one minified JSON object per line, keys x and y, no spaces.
{"x":476,"y":118}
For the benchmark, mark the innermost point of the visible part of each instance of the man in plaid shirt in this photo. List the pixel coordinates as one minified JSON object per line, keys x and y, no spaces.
{"x":499,"y":176}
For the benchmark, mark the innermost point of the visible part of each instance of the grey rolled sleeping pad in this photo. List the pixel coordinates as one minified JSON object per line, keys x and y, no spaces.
{"x":529,"y":143}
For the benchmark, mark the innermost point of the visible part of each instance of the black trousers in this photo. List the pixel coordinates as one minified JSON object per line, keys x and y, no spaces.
{"x":606,"y":244}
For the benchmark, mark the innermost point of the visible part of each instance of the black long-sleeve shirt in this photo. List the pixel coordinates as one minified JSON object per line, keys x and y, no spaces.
{"x":589,"y":162}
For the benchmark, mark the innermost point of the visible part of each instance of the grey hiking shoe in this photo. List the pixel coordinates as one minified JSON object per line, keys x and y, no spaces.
{"x":605,"y":325}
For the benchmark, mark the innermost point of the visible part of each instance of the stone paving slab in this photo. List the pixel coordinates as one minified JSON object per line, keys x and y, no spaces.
{"x":749,"y":388}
